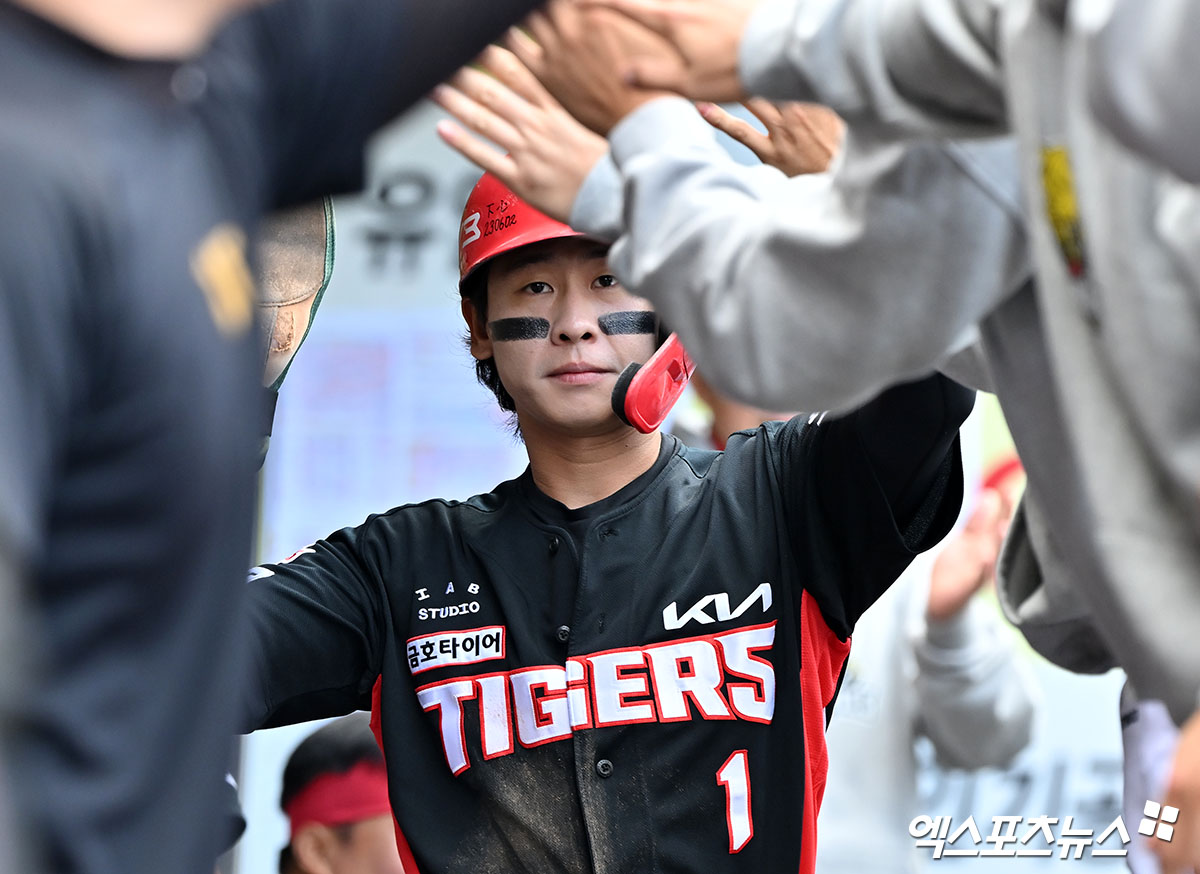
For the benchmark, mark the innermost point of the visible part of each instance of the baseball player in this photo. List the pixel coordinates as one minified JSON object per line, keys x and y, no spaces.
{"x":335,"y":796}
{"x":623,"y":659}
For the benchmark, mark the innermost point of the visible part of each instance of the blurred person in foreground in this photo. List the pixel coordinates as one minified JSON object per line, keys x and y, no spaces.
{"x":140,"y":140}
{"x":1072,"y":258}
{"x":335,"y":797}
{"x":232,"y":823}
{"x":1140,"y":76}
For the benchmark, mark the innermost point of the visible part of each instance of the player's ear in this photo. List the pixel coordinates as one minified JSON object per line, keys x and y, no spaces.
{"x":481,"y":343}
{"x":314,"y":847}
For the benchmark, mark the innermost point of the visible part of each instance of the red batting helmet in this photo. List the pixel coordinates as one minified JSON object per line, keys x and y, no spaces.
{"x":496,"y":221}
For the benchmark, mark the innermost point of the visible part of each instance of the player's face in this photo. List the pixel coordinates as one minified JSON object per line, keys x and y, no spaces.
{"x":370,"y":849}
{"x":561,"y":329}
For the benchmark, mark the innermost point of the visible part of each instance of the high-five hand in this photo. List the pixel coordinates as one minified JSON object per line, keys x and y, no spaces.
{"x":700,"y":44}
{"x":549,"y":153}
{"x":801,"y":137}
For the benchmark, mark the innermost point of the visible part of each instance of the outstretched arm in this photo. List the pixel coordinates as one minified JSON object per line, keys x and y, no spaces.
{"x":316,"y":632}
{"x":891,"y":68}
{"x":812,"y":293}
{"x":884,"y":484}
{"x":975,"y":701}
{"x":544,"y":155}
{"x":316,"y":78}
{"x":815,"y":292}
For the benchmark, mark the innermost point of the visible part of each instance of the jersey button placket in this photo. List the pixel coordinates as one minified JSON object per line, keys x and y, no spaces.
{"x":604,"y":768}
{"x":563,"y":633}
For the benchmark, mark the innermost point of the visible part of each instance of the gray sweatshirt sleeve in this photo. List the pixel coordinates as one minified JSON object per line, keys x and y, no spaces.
{"x":814,"y":292}
{"x":975,"y":700}
{"x":897,"y":68}
{"x":1141,"y":77}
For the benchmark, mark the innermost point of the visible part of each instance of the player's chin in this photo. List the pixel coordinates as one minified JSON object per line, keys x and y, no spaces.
{"x":586,"y":416}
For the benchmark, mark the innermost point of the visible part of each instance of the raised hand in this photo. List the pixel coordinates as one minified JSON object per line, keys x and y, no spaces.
{"x":581,"y":57}
{"x":547,"y":153}
{"x":968,"y":560}
{"x":701,"y":39}
{"x":801,"y":137}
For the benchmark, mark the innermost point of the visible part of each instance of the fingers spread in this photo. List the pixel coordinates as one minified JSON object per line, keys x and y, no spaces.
{"x":542,"y":33}
{"x":507,"y":68}
{"x":765,"y":111}
{"x":525,"y":49}
{"x":477,"y":117}
{"x":740,"y":129}
{"x":492,"y":93}
{"x":726,"y":122}
{"x":566,"y":17}
{"x":477,"y":152}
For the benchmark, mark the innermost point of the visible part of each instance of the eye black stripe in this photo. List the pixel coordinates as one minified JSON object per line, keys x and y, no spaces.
{"x":519,"y":328}
{"x":629,"y":322}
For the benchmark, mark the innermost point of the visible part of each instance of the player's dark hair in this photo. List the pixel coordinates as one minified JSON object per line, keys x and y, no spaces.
{"x":332,"y":749}
{"x":474,"y":290}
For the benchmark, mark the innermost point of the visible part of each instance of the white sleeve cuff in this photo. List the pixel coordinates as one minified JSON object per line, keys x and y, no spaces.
{"x":599,"y":205}
{"x":663,"y":120}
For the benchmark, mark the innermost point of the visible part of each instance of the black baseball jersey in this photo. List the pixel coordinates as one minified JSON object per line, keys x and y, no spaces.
{"x":129,"y":421}
{"x":636,"y":685}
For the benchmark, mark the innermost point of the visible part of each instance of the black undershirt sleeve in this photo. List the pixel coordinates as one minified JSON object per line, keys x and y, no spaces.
{"x":880,"y":485}
{"x":907,"y":434}
{"x":316,"y":632}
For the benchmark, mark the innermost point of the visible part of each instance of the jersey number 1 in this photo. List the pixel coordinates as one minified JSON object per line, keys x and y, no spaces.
{"x":734,"y":775}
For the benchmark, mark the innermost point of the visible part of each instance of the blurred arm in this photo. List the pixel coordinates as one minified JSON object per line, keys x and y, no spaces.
{"x":1142,"y":70}
{"x":975,"y":699}
{"x":328,"y":74}
{"x":814,"y":292}
{"x":893,"y":68}
{"x":44,"y":323}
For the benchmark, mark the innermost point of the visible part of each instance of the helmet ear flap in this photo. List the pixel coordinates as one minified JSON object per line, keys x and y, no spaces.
{"x":644,"y":394}
{"x":621,"y":392}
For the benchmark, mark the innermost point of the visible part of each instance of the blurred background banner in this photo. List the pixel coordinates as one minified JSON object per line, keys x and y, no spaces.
{"x":381,"y":408}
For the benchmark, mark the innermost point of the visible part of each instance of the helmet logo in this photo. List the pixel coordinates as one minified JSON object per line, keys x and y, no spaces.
{"x":470,"y":229}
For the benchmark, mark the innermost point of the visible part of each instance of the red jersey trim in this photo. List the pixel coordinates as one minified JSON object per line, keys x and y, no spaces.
{"x":406,"y":855}
{"x":822,"y":656}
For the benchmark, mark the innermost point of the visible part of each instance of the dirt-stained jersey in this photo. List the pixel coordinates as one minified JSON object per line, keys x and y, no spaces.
{"x":636,"y":685}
